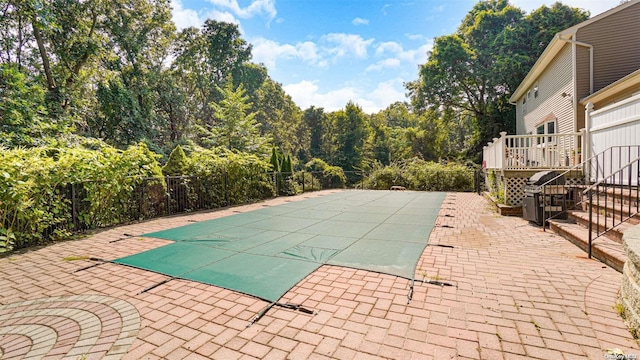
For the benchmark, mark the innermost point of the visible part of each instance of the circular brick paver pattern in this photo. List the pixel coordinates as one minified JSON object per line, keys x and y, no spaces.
{"x":71,"y":327}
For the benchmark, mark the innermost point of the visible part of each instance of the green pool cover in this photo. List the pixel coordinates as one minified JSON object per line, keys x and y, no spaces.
{"x":266,"y":252}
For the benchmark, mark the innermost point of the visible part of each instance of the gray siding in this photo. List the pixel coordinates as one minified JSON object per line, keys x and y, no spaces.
{"x":616,"y":43}
{"x":582,"y":82}
{"x":616,"y":52}
{"x":556,"y":79}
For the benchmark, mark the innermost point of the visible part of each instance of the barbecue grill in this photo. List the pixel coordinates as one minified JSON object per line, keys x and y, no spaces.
{"x":552,"y":201}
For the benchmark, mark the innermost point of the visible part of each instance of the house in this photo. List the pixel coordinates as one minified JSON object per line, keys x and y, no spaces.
{"x":596,"y":62}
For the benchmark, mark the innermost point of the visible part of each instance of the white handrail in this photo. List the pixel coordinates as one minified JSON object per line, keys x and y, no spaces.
{"x":543,"y":151}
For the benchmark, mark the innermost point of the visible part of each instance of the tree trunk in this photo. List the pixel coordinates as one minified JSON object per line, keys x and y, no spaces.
{"x":43,"y":54}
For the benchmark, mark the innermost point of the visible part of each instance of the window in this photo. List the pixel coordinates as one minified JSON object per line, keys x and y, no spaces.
{"x":528,"y":94}
{"x":551,"y":127}
{"x":547,"y":128}
{"x":535,"y":91}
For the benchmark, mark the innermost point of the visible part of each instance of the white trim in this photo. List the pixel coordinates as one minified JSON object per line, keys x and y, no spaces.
{"x":574,"y":83}
{"x":625,"y":84}
{"x":616,"y":104}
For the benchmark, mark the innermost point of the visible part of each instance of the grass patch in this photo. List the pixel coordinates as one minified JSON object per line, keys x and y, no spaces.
{"x":619,"y":308}
{"x":536,"y":325}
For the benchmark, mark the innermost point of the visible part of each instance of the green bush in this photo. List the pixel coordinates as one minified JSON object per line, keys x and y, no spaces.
{"x":384,"y":177}
{"x":310,"y":182}
{"x":178,"y":163}
{"x":229,"y":177}
{"x":417,"y":174}
{"x":35,"y":191}
{"x":332,"y":176}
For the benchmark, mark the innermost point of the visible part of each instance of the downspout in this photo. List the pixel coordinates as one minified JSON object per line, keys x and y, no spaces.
{"x":590,"y":47}
{"x":575,"y":95}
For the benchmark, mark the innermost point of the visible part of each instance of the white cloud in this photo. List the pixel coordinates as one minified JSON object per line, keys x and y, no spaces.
{"x":268,"y":52}
{"x":223,"y":16}
{"x":416,"y":56}
{"x":388,"y":47}
{"x":360,"y":21}
{"x":308,"y":51}
{"x":306,"y":93}
{"x":257,"y":7}
{"x":387,"y":93}
{"x":415,"y":36}
{"x":397,"y":56}
{"x":331,"y":46}
{"x":383,"y":64}
{"x":182,"y":17}
{"x":347,"y":44}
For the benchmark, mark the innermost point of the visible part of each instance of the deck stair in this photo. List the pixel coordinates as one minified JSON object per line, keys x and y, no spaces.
{"x":606,"y":208}
{"x":606,"y":212}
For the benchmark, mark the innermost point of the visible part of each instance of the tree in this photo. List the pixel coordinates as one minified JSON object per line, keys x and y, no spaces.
{"x":349,"y":140}
{"x":234,"y":128}
{"x":473,"y":71}
{"x":315,"y":119}
{"x":22,"y":109}
{"x":208,"y":57}
{"x":138,"y":35}
{"x":279,"y":117}
{"x":53,"y":42}
{"x":178,"y":163}
{"x":275,"y":160}
{"x":171,"y":111}
{"x":523,"y":43}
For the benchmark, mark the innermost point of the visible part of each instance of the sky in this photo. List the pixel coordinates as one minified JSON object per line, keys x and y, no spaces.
{"x":326,"y":53}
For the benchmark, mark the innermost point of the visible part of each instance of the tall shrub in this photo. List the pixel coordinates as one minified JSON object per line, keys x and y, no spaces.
{"x":177,"y":164}
{"x":35,"y":191}
{"x":417,"y":174}
{"x":226,"y":177}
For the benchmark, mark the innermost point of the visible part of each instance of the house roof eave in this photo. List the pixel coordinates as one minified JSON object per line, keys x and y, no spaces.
{"x":543,"y":61}
{"x":556,"y":45}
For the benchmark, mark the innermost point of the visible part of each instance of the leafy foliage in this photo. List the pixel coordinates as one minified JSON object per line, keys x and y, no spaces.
{"x":334,"y":175}
{"x":234,"y":129}
{"x":417,"y":174}
{"x":473,"y":71}
{"x":178,"y":163}
{"x":23,"y":111}
{"x":35,"y":194}
{"x":245,"y":176}
{"x":348,"y":143}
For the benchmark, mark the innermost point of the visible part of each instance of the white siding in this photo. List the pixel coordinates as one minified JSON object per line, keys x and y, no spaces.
{"x":555,"y":80}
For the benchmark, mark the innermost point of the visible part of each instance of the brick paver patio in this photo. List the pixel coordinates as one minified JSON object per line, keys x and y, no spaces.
{"x":519,"y":293}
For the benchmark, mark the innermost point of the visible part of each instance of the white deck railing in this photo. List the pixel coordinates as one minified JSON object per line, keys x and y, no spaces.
{"x":520,"y":152}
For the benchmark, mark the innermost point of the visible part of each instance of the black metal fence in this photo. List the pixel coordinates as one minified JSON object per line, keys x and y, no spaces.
{"x":95,"y":204}
{"x":90,"y":206}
